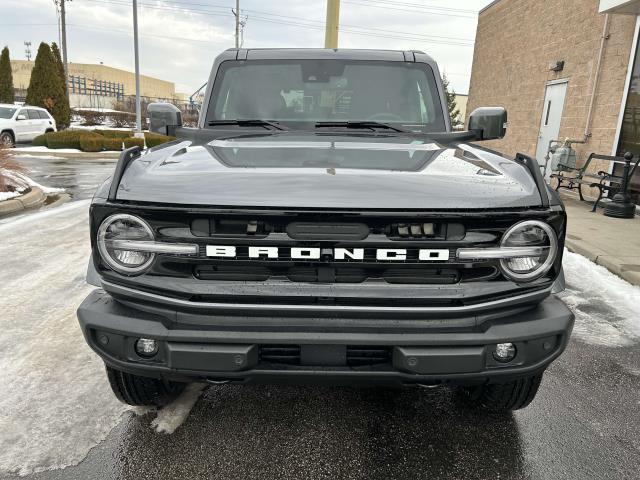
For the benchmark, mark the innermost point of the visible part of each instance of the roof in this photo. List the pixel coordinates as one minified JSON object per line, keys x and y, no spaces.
{"x":13,"y":105}
{"x":328,"y":53}
{"x":488,"y":6}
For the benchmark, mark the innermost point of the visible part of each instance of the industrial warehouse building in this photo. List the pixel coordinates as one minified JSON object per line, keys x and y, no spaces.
{"x":562,"y":69}
{"x":99,"y":85}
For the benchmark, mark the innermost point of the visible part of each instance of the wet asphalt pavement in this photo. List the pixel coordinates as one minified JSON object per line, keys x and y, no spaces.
{"x":584,"y":423}
{"x":78,"y":176}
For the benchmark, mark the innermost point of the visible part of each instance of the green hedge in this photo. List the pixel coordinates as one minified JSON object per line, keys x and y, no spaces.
{"x":91,"y":143}
{"x":40,"y":140}
{"x":155,"y":139}
{"x":69,"y":138}
{"x":133,"y":141}
{"x":112,"y":144}
{"x":114,"y":133}
{"x":98,"y":140}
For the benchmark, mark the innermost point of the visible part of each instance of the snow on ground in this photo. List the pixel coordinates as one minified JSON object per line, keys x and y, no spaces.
{"x":23,"y":179}
{"x":41,"y":157}
{"x":8,"y":195}
{"x":44,"y":149}
{"x":106,"y":126}
{"x":173,"y":415}
{"x":56,"y":403}
{"x":97,"y":109}
{"x":606,"y":307}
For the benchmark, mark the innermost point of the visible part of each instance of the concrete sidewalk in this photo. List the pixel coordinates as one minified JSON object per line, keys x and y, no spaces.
{"x":610,"y":242}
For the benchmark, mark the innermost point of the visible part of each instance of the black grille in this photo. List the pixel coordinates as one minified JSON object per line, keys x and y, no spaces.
{"x":280,"y":354}
{"x":362,"y":355}
{"x":357,"y":355}
{"x":347,"y":274}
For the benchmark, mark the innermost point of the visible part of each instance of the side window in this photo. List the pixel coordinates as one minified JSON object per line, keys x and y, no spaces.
{"x":33,"y":114}
{"x":43,"y":115}
{"x":23,"y":112}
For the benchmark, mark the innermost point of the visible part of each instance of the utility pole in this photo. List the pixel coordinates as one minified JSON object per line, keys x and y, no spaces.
{"x":236,"y":12}
{"x":333,"y":23}
{"x":27,"y":50}
{"x":63,"y":28}
{"x":138,"y":132}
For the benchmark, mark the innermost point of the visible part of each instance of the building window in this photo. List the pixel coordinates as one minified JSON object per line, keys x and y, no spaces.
{"x":630,"y":130}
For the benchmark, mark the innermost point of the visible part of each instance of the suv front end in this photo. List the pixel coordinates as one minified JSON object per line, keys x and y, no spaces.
{"x":268,"y":295}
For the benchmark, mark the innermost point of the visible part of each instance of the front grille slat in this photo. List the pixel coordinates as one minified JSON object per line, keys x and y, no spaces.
{"x":280,"y":354}
{"x":356,"y":356}
{"x":417,"y":275}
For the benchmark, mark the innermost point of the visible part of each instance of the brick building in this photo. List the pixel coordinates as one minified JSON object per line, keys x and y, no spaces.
{"x":562,"y":69}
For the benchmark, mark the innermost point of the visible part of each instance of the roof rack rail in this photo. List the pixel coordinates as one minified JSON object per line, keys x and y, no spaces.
{"x":126,"y":157}
{"x":534,"y":169}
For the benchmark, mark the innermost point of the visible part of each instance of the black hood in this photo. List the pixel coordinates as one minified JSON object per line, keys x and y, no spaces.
{"x":333,"y":171}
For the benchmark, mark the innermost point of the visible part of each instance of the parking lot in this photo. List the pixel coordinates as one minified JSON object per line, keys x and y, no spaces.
{"x":59,"y":419}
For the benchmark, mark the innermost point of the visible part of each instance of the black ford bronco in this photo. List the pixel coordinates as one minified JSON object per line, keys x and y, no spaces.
{"x":323,"y":223}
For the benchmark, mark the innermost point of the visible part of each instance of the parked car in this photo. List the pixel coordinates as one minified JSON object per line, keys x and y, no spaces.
{"x":323,"y":223}
{"x":23,"y":124}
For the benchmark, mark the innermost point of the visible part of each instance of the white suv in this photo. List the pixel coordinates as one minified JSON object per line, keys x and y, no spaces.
{"x":23,"y":124}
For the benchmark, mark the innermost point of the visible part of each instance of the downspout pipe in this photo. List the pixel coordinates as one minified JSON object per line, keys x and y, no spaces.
{"x":596,"y":79}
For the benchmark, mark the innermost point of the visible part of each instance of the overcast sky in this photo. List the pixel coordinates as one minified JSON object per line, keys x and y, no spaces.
{"x":180,"y":38}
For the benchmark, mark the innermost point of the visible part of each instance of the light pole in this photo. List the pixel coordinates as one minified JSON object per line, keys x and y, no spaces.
{"x":237,"y":14}
{"x":61,"y":12}
{"x":333,"y":22}
{"x":138,"y":132}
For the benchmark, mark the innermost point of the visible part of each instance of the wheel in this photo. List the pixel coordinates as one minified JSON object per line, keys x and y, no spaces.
{"x":6,"y":139}
{"x":142,"y":391}
{"x":502,"y":397}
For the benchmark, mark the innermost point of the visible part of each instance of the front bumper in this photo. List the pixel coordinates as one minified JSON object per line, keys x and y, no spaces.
{"x":426,"y":351}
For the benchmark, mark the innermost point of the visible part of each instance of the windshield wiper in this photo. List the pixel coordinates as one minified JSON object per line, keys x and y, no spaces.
{"x":361,"y":124}
{"x":248,"y":123}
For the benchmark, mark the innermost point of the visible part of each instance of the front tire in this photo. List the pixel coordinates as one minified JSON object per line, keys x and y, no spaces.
{"x":502,"y":397}
{"x":142,"y":391}
{"x":6,"y":139}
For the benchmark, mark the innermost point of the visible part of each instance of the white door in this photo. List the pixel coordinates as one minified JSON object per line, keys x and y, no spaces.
{"x":37,"y":123}
{"x":551,"y":117}
{"x":22,"y":127}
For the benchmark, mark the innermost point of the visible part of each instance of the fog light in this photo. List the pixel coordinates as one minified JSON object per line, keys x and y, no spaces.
{"x":146,"y":347}
{"x":505,"y":352}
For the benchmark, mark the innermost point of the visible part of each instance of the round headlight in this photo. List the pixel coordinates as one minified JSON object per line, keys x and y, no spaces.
{"x":114,"y":232}
{"x":535,"y":235}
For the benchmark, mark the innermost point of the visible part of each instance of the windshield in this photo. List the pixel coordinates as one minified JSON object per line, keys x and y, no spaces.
{"x":294,"y":91}
{"x":7,"y":112}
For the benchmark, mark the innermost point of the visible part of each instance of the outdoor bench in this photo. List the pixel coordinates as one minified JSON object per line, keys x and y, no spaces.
{"x":573,"y":178}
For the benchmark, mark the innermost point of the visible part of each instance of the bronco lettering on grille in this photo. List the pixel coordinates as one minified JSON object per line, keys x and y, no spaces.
{"x":315,"y":253}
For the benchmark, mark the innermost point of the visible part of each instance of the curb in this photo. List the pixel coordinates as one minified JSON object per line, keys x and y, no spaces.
{"x":31,"y":199}
{"x":54,"y":152}
{"x":614,"y":264}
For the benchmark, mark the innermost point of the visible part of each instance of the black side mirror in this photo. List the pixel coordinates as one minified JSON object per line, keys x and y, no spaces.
{"x":164,"y":118}
{"x":489,"y":123}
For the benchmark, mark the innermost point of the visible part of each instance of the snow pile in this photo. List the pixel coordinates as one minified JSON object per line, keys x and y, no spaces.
{"x":16,"y":186}
{"x":606,"y":307}
{"x":8,"y":195}
{"x":173,"y":415}
{"x":45,"y":149}
{"x":40,"y":157}
{"x":25,"y":181}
